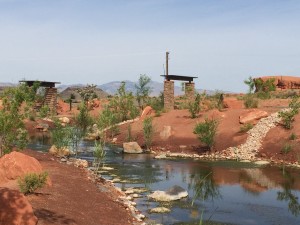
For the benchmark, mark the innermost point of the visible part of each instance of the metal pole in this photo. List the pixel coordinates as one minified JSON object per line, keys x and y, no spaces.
{"x":167,"y":65}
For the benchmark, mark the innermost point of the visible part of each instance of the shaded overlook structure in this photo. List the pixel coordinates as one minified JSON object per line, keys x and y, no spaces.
{"x":280,"y":82}
{"x":189,"y":86}
{"x":50,"y":97}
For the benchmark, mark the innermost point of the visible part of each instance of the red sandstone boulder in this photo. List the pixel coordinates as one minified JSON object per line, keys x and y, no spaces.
{"x":147,"y":111}
{"x":252,"y":116}
{"x":282,"y":82}
{"x":16,"y":164}
{"x":15,"y":208}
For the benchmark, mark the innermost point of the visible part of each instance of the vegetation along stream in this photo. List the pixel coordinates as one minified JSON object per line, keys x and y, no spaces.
{"x":220,"y":192}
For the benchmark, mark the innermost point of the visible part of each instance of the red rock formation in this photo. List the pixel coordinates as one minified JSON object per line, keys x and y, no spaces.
{"x":16,"y":164}
{"x":252,"y":116}
{"x":283,"y":82}
{"x":15,"y":208}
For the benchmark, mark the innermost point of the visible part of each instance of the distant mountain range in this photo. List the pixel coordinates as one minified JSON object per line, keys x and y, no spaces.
{"x":156,"y":88}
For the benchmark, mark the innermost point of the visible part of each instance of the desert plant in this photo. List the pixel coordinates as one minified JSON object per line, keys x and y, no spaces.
{"x":206,"y":131}
{"x":75,"y":136}
{"x":288,"y":115}
{"x":143,"y":90}
{"x":246,"y":127}
{"x":194,"y":107}
{"x":44,"y":111}
{"x":12,"y":132}
{"x":293,"y":136}
{"x":129,"y":133}
{"x":286,"y":149}
{"x":108,"y":120}
{"x":250,"y":83}
{"x":148,"y":131}
{"x":61,"y":136}
{"x":122,"y":105}
{"x":99,"y":153}
{"x":157,"y":103}
{"x":83,"y":120}
{"x":87,"y":92}
{"x":250,"y":101}
{"x":31,"y":182}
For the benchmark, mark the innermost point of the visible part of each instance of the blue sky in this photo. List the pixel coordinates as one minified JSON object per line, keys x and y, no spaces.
{"x":96,"y":41}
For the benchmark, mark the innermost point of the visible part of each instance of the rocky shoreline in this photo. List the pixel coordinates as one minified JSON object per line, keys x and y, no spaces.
{"x":246,"y":152}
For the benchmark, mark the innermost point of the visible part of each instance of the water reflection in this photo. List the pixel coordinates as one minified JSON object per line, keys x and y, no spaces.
{"x":221,"y":192}
{"x":204,"y":186}
{"x":287,"y":195}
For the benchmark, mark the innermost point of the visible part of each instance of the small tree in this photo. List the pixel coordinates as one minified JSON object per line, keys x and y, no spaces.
{"x":194,"y":107}
{"x":148,"y":130}
{"x":83,"y":120}
{"x":288,"y":116}
{"x":87,"y":92}
{"x":251,"y":84}
{"x":206,"y":132}
{"x":143,"y":90}
{"x":123,"y":105}
{"x":12,"y":132}
{"x":60,"y":136}
{"x":99,"y":153}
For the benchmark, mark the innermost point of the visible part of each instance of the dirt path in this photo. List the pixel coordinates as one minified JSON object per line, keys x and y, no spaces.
{"x":74,"y":199}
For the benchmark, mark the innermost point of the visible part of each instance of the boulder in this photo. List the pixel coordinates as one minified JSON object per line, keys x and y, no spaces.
{"x":166,"y":132}
{"x":147,"y":111}
{"x":132,"y":147}
{"x":160,"y":210}
{"x":172,"y":194}
{"x":59,"y":152}
{"x":16,"y":164}
{"x":252,"y":116}
{"x":15,"y":208}
{"x":64,"y":120}
{"x":81,"y":163}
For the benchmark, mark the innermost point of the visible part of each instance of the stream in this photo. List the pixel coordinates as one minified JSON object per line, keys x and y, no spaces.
{"x":220,"y":192}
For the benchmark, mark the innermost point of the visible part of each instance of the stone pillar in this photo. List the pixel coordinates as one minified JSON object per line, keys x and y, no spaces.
{"x":190,"y":91}
{"x":169,"y":94}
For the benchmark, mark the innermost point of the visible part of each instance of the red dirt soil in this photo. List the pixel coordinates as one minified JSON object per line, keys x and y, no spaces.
{"x":73,"y":198}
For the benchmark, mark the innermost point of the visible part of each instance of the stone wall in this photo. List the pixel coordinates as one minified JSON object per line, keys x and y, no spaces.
{"x":190,"y":91}
{"x":169,"y":95}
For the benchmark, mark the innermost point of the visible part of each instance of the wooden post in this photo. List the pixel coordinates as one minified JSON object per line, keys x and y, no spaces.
{"x":167,"y":65}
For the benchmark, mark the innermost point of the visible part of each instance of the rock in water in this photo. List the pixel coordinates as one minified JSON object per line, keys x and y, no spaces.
{"x":172,"y":194}
{"x":160,"y":210}
{"x":132,"y":147}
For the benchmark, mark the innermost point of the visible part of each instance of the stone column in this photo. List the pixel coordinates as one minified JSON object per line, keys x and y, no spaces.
{"x":169,"y":95}
{"x":190,"y":91}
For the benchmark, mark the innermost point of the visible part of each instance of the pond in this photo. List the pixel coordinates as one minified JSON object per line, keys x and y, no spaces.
{"x":220,"y":192}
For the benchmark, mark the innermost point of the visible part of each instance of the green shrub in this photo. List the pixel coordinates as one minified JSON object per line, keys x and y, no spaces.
{"x":288,"y":116}
{"x":250,"y":101}
{"x":206,"y":131}
{"x":44,"y":111}
{"x":194,"y":107}
{"x":246,"y":127}
{"x":99,"y":154}
{"x":61,"y":136}
{"x":129,"y":133}
{"x":293,"y":136}
{"x":286,"y":149}
{"x":31,"y":182}
{"x":148,"y":130}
